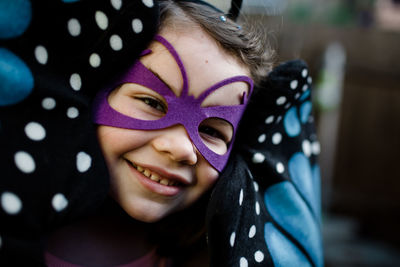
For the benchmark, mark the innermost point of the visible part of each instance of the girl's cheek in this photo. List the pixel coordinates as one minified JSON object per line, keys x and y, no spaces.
{"x":206,"y":174}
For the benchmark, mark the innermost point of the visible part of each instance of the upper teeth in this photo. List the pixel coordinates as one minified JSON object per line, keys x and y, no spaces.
{"x":154,"y":176}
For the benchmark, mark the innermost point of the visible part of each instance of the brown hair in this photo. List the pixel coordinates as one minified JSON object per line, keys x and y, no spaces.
{"x":247,"y":43}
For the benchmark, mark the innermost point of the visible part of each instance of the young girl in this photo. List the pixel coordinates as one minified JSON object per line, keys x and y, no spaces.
{"x":166,"y":128}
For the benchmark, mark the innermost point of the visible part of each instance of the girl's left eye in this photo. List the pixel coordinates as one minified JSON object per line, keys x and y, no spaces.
{"x":212,"y":132}
{"x":153,"y":103}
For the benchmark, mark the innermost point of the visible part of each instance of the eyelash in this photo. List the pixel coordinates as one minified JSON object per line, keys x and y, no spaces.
{"x":153,"y":103}
{"x":214,"y":132}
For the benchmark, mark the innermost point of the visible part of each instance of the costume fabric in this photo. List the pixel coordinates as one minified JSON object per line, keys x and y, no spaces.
{"x":149,"y":259}
{"x":265,"y":208}
{"x":184,"y":109}
{"x":55,"y":55}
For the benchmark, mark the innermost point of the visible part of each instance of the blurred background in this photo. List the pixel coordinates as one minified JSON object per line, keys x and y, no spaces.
{"x":352,"y":48}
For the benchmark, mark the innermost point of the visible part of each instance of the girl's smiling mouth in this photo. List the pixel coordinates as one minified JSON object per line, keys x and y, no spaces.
{"x":163,"y":184}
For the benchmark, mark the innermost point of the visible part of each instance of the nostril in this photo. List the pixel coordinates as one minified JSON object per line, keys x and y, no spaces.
{"x":176,"y":144}
{"x":191,"y":159}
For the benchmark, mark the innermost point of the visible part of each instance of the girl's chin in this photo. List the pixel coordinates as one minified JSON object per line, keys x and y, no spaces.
{"x":147,"y":214}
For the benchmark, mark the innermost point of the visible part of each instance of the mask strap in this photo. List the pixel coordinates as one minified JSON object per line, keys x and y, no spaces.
{"x":178,"y":60}
{"x":225,"y":82}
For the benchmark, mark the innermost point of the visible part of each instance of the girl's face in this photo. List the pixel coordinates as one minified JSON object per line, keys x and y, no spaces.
{"x":155,"y":173}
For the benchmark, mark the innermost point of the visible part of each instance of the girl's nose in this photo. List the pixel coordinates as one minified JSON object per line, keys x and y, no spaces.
{"x":175,"y":142}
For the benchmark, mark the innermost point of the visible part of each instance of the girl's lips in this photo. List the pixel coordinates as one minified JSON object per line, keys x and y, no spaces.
{"x":153,"y":186}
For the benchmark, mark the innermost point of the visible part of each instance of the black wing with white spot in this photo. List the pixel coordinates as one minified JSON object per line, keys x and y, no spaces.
{"x":265,"y":209}
{"x":54,"y":56}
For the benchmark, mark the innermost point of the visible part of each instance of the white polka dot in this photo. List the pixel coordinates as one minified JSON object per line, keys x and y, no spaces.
{"x":137,"y":25}
{"x":252,"y":231}
{"x":280,"y":168}
{"x":72,"y":112}
{"x":148,"y":3}
{"x":48,"y":103}
{"x":293,"y":84}
{"x":297,"y":95}
{"x":278,"y":119}
{"x":306,"y":145}
{"x":232,"y":239}
{"x":241,"y":197}
{"x":316,"y":148}
{"x":258,"y":158}
{"x":255,"y":186}
{"x":281,"y":100}
{"x":59,"y":202}
{"x":41,"y":54}
{"x":288,"y":105}
{"x":24,"y":162}
{"x":305,"y":87}
{"x":249,"y":173}
{"x":11,"y":203}
{"x":309,"y":80}
{"x":74,"y":27}
{"x":261,"y":138}
{"x":257,"y":208}
{"x":75,"y":81}
{"x":116,"y":42}
{"x":269,"y":120}
{"x":83,"y":161}
{"x":116,"y":4}
{"x":243,"y":262}
{"x":101,"y":20}
{"x":35,"y":131}
{"x":259,"y":256}
{"x":304,"y":73}
{"x":94,"y":60}
{"x":276,"y":138}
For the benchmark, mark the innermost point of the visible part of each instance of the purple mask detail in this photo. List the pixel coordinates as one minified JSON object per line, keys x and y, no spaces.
{"x":184,"y":109}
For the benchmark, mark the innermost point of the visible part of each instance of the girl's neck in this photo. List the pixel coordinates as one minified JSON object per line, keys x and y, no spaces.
{"x":108,"y":237}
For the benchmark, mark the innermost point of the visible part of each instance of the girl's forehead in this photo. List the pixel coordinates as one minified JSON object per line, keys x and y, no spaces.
{"x":163,"y":65}
{"x":205,"y":64}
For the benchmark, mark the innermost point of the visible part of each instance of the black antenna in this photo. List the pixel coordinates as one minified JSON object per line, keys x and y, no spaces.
{"x":203,"y":3}
{"x":234,"y":12}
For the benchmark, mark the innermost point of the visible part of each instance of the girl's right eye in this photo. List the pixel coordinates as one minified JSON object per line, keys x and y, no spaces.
{"x":153,"y":103}
{"x":138,"y":102}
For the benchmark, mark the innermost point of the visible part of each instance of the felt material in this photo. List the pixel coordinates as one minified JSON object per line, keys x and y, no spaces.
{"x":183,"y":109}
{"x":54,"y":57}
{"x":265,"y":207}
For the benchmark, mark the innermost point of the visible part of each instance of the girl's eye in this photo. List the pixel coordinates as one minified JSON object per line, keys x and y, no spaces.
{"x":212,"y":132}
{"x":153,"y":103}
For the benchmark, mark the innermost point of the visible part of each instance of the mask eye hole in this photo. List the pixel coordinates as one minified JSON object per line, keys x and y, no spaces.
{"x":138,"y":102}
{"x":216,"y":134}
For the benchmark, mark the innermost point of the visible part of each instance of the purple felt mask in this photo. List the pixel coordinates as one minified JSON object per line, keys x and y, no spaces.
{"x":184,"y":109}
